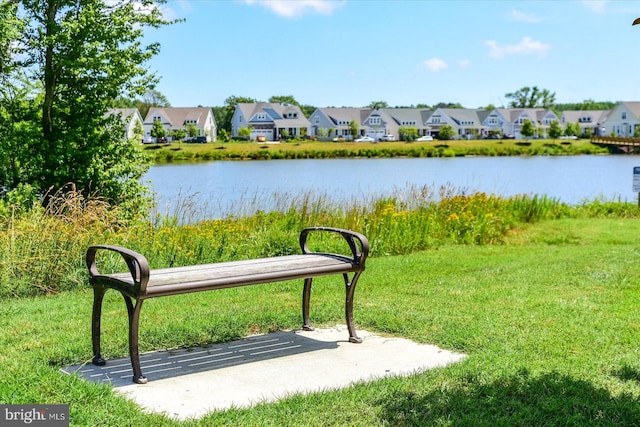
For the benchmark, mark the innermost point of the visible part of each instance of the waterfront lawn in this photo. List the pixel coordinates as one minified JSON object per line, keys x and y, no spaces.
{"x":315,"y":149}
{"x":549,"y":321}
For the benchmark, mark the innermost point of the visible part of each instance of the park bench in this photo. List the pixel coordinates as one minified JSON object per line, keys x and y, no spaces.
{"x":141,"y":283}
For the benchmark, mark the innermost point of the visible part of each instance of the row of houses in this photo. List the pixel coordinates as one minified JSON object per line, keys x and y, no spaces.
{"x":171,"y":118}
{"x":278,"y":121}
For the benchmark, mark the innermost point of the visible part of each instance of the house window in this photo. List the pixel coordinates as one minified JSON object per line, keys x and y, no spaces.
{"x":317,"y":120}
{"x":374,"y":120}
{"x":624,"y":115}
{"x":157,"y":118}
{"x":261,"y":116}
{"x":493,"y":120}
{"x":435,"y":119}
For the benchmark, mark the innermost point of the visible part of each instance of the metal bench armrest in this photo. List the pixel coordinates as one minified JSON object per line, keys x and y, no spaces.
{"x":357,"y":242}
{"x":137,"y":264}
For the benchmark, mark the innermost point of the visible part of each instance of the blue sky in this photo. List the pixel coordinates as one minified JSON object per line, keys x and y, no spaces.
{"x":353,"y":52}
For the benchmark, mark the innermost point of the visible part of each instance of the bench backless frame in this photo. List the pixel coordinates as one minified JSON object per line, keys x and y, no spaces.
{"x":141,"y":282}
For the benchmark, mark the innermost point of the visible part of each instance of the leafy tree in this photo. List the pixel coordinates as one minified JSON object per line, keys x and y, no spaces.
{"x":528,"y":129}
{"x":138,"y":131}
{"x":408,"y":133}
{"x":224,"y":114}
{"x":19,"y":134}
{"x":85,"y":54}
{"x":354,"y":128}
{"x":447,"y":105}
{"x":10,"y":28}
{"x":446,"y":132}
{"x":244,"y":133}
{"x":122,"y":102}
{"x":554,"y":129}
{"x":423,"y":107}
{"x":587,"y":104}
{"x":223,"y":136}
{"x":178,"y":134}
{"x":151,"y":98}
{"x":192,"y":130}
{"x":308,"y":110}
{"x":157,"y":130}
{"x":572,"y":129}
{"x":376,"y":105}
{"x":284,"y":99}
{"x":531,"y":98}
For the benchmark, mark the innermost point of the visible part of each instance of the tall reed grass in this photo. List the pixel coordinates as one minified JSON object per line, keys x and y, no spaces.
{"x":42,"y":249}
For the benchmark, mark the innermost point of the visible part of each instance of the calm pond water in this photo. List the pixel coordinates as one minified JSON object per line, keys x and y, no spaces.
{"x":215,"y":189}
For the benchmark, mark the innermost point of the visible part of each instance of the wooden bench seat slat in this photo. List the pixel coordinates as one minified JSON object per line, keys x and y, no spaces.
{"x":293,"y":267}
{"x":238,"y":273}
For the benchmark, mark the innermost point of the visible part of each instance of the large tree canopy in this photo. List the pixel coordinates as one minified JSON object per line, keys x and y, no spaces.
{"x":224,"y":114}
{"x":80,"y":56}
{"x":531,"y":97}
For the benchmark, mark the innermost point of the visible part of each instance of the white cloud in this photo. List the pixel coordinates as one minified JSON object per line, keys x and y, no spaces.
{"x":520,"y":16}
{"x":595,"y":5}
{"x":291,"y":8}
{"x":527,"y":46}
{"x":435,"y":64}
{"x":464,"y":63}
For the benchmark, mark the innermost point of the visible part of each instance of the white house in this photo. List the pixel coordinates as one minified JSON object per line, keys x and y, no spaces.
{"x":622,"y":120}
{"x":590,"y":121}
{"x":180,"y":117}
{"x":131,"y":118}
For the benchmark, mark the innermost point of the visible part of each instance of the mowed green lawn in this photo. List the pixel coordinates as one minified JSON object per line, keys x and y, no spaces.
{"x":550,"y":322}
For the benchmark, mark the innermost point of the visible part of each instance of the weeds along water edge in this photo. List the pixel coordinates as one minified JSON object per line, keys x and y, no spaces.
{"x":42,"y":248}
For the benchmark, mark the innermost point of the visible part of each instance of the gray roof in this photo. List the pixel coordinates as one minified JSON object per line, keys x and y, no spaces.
{"x":405,"y":115}
{"x":634,"y":107}
{"x":177,"y":116}
{"x":125,"y":112}
{"x":573,"y":116}
{"x":337,"y":115}
{"x":277,"y":113}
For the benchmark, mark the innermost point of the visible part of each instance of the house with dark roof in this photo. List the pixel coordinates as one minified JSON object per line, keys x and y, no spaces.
{"x":174,"y":118}
{"x":273,"y":121}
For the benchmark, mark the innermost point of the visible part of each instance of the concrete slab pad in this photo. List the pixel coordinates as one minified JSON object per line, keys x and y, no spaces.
{"x":189,"y":383}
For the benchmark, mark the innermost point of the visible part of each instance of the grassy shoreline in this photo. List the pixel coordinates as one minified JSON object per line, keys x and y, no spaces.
{"x":321,"y":150}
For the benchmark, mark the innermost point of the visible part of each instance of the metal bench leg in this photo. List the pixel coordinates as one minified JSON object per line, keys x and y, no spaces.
{"x":306,"y":296}
{"x":134,"y":355}
{"x":98,"y":295}
{"x":348,"y":307}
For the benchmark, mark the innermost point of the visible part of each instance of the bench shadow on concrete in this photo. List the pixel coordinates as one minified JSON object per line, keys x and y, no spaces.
{"x":158,"y":365}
